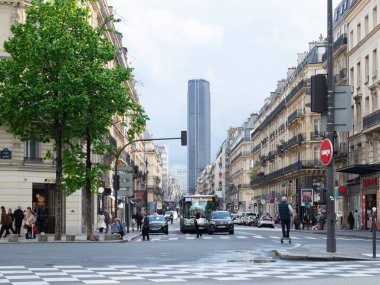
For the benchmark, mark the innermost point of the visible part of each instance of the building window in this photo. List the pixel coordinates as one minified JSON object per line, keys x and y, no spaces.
{"x":32,"y":150}
{"x":367,"y":110}
{"x":351,"y":39}
{"x":366,"y":25}
{"x":374,"y":64}
{"x":359,"y":32}
{"x":352,"y":77}
{"x":374,"y":101}
{"x":366,"y":69}
{"x":374,"y":17}
{"x":358,"y":76}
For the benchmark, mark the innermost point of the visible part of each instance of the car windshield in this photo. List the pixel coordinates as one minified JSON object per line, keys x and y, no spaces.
{"x":156,"y":218}
{"x":220,"y":215}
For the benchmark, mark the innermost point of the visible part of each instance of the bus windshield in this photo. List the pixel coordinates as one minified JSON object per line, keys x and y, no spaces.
{"x":204,"y":205}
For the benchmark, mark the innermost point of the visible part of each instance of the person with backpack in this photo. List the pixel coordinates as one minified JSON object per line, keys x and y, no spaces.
{"x":286,"y":211}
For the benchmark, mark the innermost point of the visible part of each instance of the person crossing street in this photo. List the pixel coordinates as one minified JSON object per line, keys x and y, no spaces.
{"x":286,"y":211}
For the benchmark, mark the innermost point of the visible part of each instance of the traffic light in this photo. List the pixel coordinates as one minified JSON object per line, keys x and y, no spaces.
{"x":318,"y":94}
{"x":183,"y":137}
{"x":116,"y":182}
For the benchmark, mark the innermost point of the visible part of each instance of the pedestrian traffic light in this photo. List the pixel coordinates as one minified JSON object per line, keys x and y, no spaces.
{"x":184,"y":138}
{"x":116,"y":182}
{"x":318,"y":94}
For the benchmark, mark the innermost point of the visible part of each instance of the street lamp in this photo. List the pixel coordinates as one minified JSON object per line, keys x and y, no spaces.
{"x":100,"y":200}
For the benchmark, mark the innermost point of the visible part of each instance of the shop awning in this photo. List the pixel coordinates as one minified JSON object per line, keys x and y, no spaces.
{"x":360,"y":168}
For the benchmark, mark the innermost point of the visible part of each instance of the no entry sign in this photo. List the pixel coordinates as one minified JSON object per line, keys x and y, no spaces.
{"x":326,"y":152}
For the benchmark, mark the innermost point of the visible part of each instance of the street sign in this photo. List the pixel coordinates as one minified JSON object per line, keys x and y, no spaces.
{"x":126,"y":180}
{"x":326,"y":152}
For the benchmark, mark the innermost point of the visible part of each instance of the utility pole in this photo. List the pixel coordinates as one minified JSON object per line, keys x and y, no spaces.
{"x":183,"y":139}
{"x":330,"y":199}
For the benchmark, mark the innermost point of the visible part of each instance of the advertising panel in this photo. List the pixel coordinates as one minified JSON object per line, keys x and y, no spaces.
{"x":307,"y":197}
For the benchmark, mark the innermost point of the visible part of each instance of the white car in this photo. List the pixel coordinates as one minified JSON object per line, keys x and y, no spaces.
{"x":266,"y":222}
{"x":168,"y":213}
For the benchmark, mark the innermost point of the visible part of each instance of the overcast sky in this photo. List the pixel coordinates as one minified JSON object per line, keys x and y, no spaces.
{"x":242,"y":47}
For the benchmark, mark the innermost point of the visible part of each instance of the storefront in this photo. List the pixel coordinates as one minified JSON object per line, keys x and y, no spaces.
{"x":363,"y":191}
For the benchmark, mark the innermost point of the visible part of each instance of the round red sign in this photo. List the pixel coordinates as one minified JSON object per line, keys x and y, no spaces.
{"x":326,"y":152}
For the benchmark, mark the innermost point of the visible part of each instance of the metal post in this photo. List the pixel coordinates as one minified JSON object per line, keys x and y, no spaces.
{"x":374,"y":232}
{"x":330,"y":201}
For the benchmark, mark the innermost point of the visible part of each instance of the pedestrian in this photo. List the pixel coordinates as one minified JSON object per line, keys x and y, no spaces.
{"x":101,"y":224}
{"x":305,"y":221}
{"x":286,"y":211}
{"x":29,"y":220}
{"x":133,"y":222}
{"x":351,"y":220}
{"x":171,"y":218}
{"x":296,"y":221}
{"x":145,"y":227}
{"x":119,"y":228}
{"x":356,"y":220}
{"x":5,"y":222}
{"x":11,"y":220}
{"x":19,"y":217}
{"x":197,"y":223}
{"x":107,"y":219}
{"x":139,"y":220}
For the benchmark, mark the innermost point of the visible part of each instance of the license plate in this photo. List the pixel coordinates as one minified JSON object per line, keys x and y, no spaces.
{"x":221,"y":226}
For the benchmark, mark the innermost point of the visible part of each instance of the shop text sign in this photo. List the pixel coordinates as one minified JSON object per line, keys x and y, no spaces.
{"x":367,"y":182}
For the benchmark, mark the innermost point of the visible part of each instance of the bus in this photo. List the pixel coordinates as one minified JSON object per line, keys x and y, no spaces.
{"x":205,"y":204}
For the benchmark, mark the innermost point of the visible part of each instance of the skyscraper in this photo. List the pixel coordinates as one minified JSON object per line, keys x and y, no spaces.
{"x":199,"y":130}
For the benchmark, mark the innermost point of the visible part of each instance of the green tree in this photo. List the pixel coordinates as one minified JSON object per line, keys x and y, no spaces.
{"x":56,"y":88}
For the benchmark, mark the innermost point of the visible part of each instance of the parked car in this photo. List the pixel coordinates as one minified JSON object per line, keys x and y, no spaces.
{"x":266,"y":221}
{"x":236,"y":219}
{"x":158,"y":224}
{"x":168,"y":213}
{"x":221,"y":221}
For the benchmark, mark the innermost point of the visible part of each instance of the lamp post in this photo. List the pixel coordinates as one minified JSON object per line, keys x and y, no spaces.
{"x":100,"y":200}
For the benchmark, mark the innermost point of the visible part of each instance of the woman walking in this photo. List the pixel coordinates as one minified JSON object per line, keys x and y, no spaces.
{"x":5,"y":222}
{"x":30,"y":220}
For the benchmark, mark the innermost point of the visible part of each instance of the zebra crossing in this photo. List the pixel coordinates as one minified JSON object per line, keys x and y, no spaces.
{"x":180,"y":237}
{"x":180,"y":273}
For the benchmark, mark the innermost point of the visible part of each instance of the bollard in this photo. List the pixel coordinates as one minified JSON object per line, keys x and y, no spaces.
{"x":374,"y":232}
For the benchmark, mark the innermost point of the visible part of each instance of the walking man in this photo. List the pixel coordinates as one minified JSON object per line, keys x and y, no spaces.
{"x":19,"y":217}
{"x":357,"y":220}
{"x":286,"y":211}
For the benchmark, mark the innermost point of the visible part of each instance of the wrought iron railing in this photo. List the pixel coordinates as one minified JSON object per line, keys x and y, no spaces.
{"x":371,"y":120}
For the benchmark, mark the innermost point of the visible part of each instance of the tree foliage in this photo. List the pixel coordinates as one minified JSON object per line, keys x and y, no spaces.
{"x":56,"y":88}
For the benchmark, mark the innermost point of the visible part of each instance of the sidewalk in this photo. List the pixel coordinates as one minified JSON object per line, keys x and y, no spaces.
{"x":78,"y":239}
{"x":343,"y":252}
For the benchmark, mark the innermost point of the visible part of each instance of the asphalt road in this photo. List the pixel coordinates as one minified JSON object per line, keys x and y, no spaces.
{"x":245,"y":257}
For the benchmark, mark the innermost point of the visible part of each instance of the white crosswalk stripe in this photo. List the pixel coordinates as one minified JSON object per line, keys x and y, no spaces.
{"x":222,"y":272}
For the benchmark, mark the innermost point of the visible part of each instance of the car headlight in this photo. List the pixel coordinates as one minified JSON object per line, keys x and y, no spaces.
{"x":212,"y":223}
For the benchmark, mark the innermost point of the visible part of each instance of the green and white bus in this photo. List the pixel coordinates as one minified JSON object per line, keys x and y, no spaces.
{"x":204,"y":204}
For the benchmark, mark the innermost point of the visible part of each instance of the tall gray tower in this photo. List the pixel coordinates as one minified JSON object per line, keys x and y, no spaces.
{"x":199,"y":130}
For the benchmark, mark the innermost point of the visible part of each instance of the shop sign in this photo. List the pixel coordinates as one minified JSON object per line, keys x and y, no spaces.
{"x":140,"y":195}
{"x":5,"y":154}
{"x":367,"y":182}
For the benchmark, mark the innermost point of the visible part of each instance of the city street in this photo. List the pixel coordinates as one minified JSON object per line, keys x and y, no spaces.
{"x":246,"y":257}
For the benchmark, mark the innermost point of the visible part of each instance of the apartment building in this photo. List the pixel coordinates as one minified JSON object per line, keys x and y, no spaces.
{"x":359,"y":20}
{"x":286,"y":139}
{"x":27,"y":179}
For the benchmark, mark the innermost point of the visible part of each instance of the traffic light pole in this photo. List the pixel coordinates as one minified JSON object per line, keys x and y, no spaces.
{"x":330,"y":199}
{"x":183,"y":139}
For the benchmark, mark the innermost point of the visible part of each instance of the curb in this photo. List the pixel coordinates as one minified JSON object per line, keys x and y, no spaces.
{"x":288,"y":256}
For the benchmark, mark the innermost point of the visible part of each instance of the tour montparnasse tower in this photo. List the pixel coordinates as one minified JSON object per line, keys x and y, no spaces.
{"x":199,"y":130}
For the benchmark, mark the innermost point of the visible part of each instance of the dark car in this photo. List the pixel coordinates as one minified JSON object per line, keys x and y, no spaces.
{"x":221,"y":221}
{"x":158,"y":224}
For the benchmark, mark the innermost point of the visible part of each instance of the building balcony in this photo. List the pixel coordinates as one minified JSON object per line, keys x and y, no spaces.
{"x":371,"y":123}
{"x":297,"y":139}
{"x":316,"y":136}
{"x":297,"y":114}
{"x":292,"y":168}
{"x":339,"y":44}
{"x":303,"y":83}
{"x":256,"y":148}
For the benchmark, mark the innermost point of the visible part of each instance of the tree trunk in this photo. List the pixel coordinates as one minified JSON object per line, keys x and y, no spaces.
{"x":58,"y":176}
{"x":88,"y":185}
